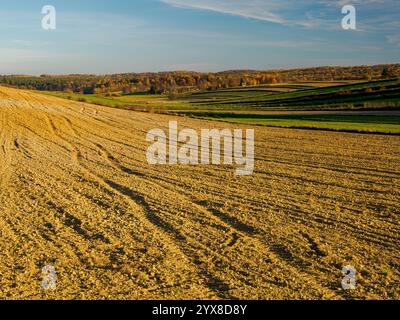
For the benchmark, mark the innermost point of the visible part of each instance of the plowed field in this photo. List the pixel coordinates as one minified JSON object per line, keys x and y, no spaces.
{"x":77,"y":193}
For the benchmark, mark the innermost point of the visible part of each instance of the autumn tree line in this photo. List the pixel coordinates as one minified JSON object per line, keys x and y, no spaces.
{"x":183,"y":81}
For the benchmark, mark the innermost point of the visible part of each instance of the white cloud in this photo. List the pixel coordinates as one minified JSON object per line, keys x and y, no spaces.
{"x":306,"y":13}
{"x":255,"y":9}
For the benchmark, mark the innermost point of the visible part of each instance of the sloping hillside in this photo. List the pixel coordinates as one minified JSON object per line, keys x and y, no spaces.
{"x":77,"y":193}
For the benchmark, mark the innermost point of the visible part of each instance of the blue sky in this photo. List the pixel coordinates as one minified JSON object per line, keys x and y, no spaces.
{"x":103,"y":36}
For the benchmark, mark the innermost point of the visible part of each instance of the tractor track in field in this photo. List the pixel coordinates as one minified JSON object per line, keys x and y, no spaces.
{"x":5,"y":154}
{"x":76,"y":192}
{"x":164,"y":230}
{"x":236,"y":231}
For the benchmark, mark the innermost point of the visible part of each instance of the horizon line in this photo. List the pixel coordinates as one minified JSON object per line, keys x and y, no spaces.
{"x":202,"y":72}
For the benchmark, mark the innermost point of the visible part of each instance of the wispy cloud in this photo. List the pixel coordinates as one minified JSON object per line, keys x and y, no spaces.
{"x":306,"y":13}
{"x":255,"y":9}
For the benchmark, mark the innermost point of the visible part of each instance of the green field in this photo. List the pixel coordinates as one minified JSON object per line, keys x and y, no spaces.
{"x":386,"y":124}
{"x":88,"y":98}
{"x":244,"y":105}
{"x":367,"y":95}
{"x":135,"y":102}
{"x":337,"y":98}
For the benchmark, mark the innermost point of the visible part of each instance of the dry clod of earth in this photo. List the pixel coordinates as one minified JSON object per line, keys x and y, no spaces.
{"x":76,"y":193}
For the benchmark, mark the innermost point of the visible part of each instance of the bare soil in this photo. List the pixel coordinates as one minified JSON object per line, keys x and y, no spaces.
{"x":76,"y":193}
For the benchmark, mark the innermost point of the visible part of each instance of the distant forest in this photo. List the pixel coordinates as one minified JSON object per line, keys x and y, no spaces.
{"x":184,"y":81}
